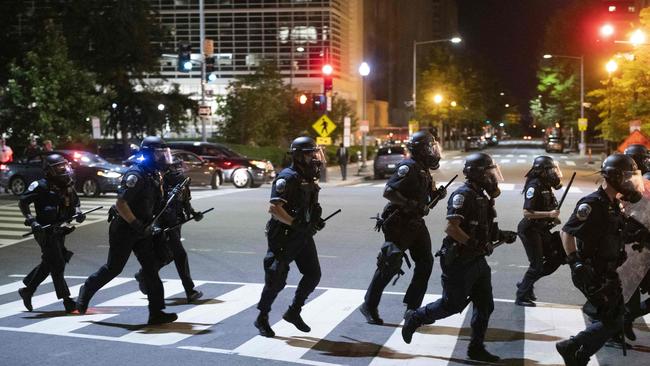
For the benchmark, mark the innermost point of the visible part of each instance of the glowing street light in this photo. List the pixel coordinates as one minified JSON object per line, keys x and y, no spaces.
{"x":302,"y":99}
{"x":638,"y":37}
{"x":453,"y":103}
{"x":437,"y":98}
{"x":161,"y":107}
{"x":507,"y":105}
{"x":607,"y":30}
{"x":611,"y":66}
{"x":364,"y":69}
{"x":456,"y":40}
{"x":327,"y":69}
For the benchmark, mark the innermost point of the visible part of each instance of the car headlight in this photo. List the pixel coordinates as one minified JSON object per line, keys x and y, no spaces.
{"x":259,"y":164}
{"x":108,"y":174}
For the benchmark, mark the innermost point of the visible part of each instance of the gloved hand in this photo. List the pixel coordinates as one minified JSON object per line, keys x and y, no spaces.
{"x":317,"y":226}
{"x":155,"y":230}
{"x":582,"y":274}
{"x":29,"y":220}
{"x":36,"y":227}
{"x":508,"y":237}
{"x":198,"y":216}
{"x":80,"y":218}
{"x":440,"y":193}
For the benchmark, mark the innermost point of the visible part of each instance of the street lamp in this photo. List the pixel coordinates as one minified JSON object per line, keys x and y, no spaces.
{"x":161,"y":107}
{"x":583,"y":142}
{"x":437,"y":98}
{"x":607,"y":30}
{"x":638,"y":37}
{"x":611,"y":67}
{"x":454,"y":40}
{"x":453,"y":103}
{"x":364,"y":70}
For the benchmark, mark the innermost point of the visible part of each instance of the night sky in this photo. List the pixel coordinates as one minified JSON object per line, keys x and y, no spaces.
{"x":507,"y":36}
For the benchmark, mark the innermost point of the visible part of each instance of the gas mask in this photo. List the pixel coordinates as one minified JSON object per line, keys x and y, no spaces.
{"x":629,"y":186}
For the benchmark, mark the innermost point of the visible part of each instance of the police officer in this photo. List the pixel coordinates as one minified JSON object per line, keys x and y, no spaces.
{"x":55,"y":202}
{"x":540,"y":214}
{"x":131,"y":229}
{"x":641,"y":156}
{"x":593,"y":240}
{"x":409,"y":191}
{"x":295,"y":219}
{"x":170,"y":247}
{"x":466,"y":275}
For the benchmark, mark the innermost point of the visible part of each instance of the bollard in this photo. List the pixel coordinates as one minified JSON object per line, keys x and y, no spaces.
{"x":589,"y":161}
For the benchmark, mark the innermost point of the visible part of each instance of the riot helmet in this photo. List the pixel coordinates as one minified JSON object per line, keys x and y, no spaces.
{"x":640,"y":155}
{"x":307,"y":157}
{"x":621,"y":172}
{"x":58,"y":170}
{"x":546,"y":169}
{"x":176,"y":171}
{"x":424,"y":149}
{"x":481,"y":170}
{"x":155,"y":154}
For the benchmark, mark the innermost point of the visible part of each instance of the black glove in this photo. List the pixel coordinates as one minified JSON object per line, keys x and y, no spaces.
{"x":317,"y":226}
{"x":508,"y":237}
{"x":155,"y":230}
{"x":29,"y":220}
{"x":582,"y":275}
{"x":440,"y":193}
{"x":80,"y":218}
{"x":36,"y":227}
{"x":198,"y":216}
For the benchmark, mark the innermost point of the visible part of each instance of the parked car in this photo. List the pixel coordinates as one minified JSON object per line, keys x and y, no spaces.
{"x":554,"y":144}
{"x":387,"y":159}
{"x":92,"y":174}
{"x":237,"y":169}
{"x":474,"y":143}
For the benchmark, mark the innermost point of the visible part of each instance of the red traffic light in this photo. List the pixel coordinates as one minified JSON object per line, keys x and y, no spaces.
{"x":607,"y":30}
{"x":327,"y":69}
{"x":302,"y":99}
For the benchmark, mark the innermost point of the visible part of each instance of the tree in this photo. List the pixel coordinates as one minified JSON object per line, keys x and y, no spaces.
{"x":48,"y":94}
{"x":624,"y":97}
{"x":559,"y":89}
{"x":255,"y":109}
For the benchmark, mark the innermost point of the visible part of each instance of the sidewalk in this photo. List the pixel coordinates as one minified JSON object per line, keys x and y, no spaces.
{"x":334,"y":178}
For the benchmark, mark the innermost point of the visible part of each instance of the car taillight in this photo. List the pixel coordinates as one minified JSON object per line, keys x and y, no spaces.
{"x":227,"y":163}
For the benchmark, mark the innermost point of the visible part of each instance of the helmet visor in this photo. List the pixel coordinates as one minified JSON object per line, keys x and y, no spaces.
{"x":317,"y":154}
{"x":556,"y":170}
{"x":62,"y":168}
{"x":162,"y":156}
{"x":493,"y":174}
{"x":633,"y":182}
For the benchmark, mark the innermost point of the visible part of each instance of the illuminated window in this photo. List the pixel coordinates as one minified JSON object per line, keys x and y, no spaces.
{"x":631,"y":9}
{"x":612,"y":8}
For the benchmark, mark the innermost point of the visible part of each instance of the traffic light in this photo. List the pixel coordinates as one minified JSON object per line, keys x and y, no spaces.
{"x":327,"y":79}
{"x":184,"y":58}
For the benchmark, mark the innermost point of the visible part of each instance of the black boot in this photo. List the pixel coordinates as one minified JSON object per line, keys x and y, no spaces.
{"x":292,"y":315}
{"x":160,"y":317}
{"x":26,"y":295}
{"x":479,"y":353}
{"x":140,"y":279}
{"x":263,"y":326}
{"x":568,"y":349}
{"x":371,"y":315}
{"x":628,"y":329}
{"x":411,"y":324}
{"x":193,"y":296}
{"x":531,"y":294}
{"x":82,"y":303}
{"x":69,"y":305}
{"x":526,"y":301}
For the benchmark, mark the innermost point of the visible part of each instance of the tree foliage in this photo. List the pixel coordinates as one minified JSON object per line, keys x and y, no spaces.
{"x":626,"y":95}
{"x":48,"y":93}
{"x":558,"y":95}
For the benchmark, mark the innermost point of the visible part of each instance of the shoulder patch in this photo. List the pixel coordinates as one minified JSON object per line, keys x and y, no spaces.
{"x":530,"y":192}
{"x":403,"y":170}
{"x":32,"y":186}
{"x":458,"y":201}
{"x":280,"y":185}
{"x":131,"y":180}
{"x":583,"y":211}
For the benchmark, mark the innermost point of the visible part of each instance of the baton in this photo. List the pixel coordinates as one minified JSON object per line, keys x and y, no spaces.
{"x":61,"y":222}
{"x":573,"y":176}
{"x":333,"y":214}
{"x":186,"y":221}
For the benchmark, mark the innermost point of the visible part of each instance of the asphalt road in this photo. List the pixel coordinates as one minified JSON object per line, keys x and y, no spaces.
{"x":226,"y":251}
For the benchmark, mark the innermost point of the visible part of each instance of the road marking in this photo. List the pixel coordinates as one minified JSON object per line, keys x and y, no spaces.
{"x":510,"y":156}
{"x":564,"y":157}
{"x":506,"y":186}
{"x":504,"y":161}
{"x":379,"y":185}
{"x":496,"y":155}
{"x":523,"y":156}
{"x":14,"y":286}
{"x":137,"y":298}
{"x":457,"y":161}
{"x":519,"y":161}
{"x":570,"y":163}
{"x":337,"y":303}
{"x":431,"y":345}
{"x":200,"y":317}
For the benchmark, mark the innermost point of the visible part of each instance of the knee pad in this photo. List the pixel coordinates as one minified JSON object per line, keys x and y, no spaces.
{"x":389,"y":259}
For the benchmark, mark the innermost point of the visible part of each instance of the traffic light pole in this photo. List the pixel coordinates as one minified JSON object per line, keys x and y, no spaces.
{"x":204,"y":135}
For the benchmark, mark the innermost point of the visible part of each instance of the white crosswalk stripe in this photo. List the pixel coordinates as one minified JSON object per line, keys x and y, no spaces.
{"x":518,"y":333}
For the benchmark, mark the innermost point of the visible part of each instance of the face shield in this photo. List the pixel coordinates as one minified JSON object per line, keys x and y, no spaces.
{"x":492,"y":179}
{"x":555,"y":176}
{"x":162,"y":157}
{"x":432,"y":151}
{"x":631,"y":187}
{"x":62,"y":173}
{"x":310,"y":162}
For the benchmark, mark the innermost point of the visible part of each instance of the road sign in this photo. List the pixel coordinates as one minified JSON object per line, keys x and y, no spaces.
{"x":363,"y":126}
{"x":582,"y":124}
{"x":323,"y":126}
{"x":205,"y":111}
{"x":323,"y":140}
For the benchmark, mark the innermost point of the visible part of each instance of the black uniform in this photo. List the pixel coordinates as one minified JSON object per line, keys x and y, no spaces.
{"x":405,"y":230}
{"x":53,"y":204}
{"x":597,"y":224}
{"x":468,"y":277}
{"x":142,"y":190}
{"x":170,"y":248}
{"x":544,"y":257}
{"x":292,"y":243}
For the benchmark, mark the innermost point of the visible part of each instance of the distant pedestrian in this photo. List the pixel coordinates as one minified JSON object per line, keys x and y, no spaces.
{"x":47,"y":146}
{"x":342,"y":155}
{"x":32,"y":149}
{"x":6,"y":154}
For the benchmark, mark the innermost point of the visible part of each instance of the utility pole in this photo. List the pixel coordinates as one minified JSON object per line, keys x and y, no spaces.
{"x":204,"y":135}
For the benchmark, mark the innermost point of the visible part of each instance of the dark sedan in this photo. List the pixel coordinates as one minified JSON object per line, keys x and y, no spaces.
{"x":387,"y":159}
{"x":93,"y":175}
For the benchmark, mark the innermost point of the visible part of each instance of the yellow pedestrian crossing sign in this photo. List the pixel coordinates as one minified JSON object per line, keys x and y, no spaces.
{"x":324,"y":126}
